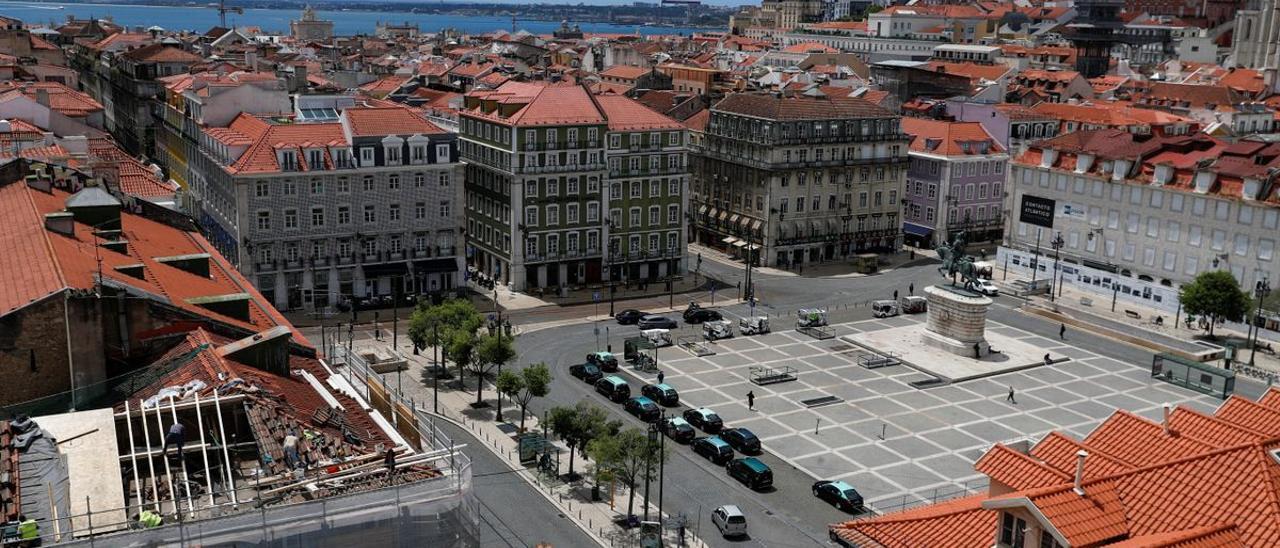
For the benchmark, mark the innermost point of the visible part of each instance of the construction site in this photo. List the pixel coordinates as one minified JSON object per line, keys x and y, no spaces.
{"x":245,"y":442}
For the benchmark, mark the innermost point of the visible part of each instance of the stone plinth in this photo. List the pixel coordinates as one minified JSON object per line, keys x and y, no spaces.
{"x":957,"y":320}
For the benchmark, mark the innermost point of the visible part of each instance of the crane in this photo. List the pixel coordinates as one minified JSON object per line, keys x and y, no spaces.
{"x":223,"y":10}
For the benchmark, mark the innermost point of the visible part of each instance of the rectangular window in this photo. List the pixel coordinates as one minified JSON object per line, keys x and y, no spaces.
{"x":344,"y":215}
{"x":393,"y":212}
{"x":261,"y":189}
{"x":317,"y":216}
{"x":264,"y":220}
{"x":370,"y":215}
{"x":553,"y":215}
{"x":290,"y":188}
{"x":633,"y":216}
{"x":420,"y":210}
{"x":291,"y":218}
{"x":531,"y":216}
{"x":366,"y":156}
{"x":393,"y":181}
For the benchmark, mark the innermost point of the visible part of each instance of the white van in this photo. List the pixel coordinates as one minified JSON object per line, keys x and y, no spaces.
{"x":730,"y":520}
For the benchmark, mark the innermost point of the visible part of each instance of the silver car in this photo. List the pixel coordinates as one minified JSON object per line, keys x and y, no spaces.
{"x":730,"y":520}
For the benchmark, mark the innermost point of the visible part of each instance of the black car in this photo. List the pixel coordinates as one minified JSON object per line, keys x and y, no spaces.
{"x":588,"y":372}
{"x":838,"y":494}
{"x":713,"y":449}
{"x":700,"y":315}
{"x":643,"y":408}
{"x":705,"y":419}
{"x":628,"y":316}
{"x":751,"y":472}
{"x":742,"y":440}
{"x":678,"y":429}
{"x":654,"y":321}
{"x":606,"y":361}
{"x":661,"y":393}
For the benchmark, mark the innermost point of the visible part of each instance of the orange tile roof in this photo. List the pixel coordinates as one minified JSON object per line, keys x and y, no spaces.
{"x":947,"y":138}
{"x":1017,"y":470}
{"x":63,"y":99}
{"x":1133,"y":439}
{"x":162,"y":53}
{"x":367,"y":121}
{"x":1242,"y":412}
{"x":544,"y":104}
{"x":972,"y":70}
{"x":1271,"y":398}
{"x":1213,"y":430}
{"x":266,"y":137}
{"x":957,"y":522}
{"x":624,"y":72}
{"x":1244,"y":80}
{"x":627,"y":114}
{"x":810,"y":47}
{"x":1210,"y":536}
{"x":133,"y":178}
{"x":72,"y":261}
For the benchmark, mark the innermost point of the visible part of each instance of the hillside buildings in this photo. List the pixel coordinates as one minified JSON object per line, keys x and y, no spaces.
{"x":805,"y":178}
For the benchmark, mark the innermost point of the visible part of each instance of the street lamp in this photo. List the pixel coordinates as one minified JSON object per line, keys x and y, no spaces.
{"x":1057,"y":244}
{"x":1260,"y":291}
{"x":648,"y":465}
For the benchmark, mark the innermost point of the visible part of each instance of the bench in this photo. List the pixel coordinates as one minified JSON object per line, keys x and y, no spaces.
{"x":1133,"y":314}
{"x":767,"y":375}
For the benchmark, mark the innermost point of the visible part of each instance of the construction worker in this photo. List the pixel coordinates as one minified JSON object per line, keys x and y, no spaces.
{"x":28,"y":530}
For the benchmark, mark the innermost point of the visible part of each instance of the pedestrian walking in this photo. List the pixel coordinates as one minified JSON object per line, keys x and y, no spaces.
{"x":1062,"y":331}
{"x":1010,"y":397}
{"x":895,"y":294}
{"x":977,"y":351}
{"x":661,"y":376}
{"x":911,"y":289}
{"x":751,"y":401}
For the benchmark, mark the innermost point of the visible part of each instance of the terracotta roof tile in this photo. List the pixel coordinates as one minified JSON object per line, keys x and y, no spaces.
{"x":625,"y":72}
{"x":366,"y":121}
{"x":1244,"y":413}
{"x":27,"y":262}
{"x":1210,"y":536}
{"x":1017,"y":470}
{"x":948,"y":138}
{"x":957,"y":522}
{"x":544,"y":104}
{"x":1059,"y":451}
{"x":1271,"y":399}
{"x":627,"y":114}
{"x":1140,"y":441}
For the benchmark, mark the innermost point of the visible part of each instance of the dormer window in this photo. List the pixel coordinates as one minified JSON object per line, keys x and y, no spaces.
{"x":393,"y":155}
{"x":288,"y":160}
{"x":418,"y":154}
{"x":366,"y":157}
{"x":442,"y":154}
{"x":315,"y":159}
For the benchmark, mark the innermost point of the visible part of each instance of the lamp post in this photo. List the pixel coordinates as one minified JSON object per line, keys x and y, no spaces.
{"x":435,"y":379}
{"x":648,"y":465}
{"x":1057,"y":244}
{"x":662,"y":448}
{"x":1260,"y":291}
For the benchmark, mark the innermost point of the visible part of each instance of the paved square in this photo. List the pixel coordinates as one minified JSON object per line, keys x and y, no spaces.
{"x":897,"y":443}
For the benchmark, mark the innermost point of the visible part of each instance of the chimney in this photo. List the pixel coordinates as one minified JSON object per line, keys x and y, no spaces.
{"x":42,"y":96}
{"x":1080,"y":456}
{"x":251,"y":59}
{"x":1168,"y":409}
{"x":61,"y":222}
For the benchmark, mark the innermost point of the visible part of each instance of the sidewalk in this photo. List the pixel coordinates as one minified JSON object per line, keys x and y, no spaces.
{"x":1174,"y":328}
{"x":830,"y":269}
{"x":572,"y":499}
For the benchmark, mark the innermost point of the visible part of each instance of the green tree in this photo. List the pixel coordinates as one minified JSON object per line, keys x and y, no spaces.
{"x":491,"y":350}
{"x":461,"y":348}
{"x":446,"y":325}
{"x":628,"y":455}
{"x":1215,"y":294}
{"x":531,"y":382}
{"x":579,"y":425}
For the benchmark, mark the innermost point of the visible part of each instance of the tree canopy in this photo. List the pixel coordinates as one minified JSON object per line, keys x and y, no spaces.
{"x":1215,"y":294}
{"x":628,"y":455}
{"x":531,"y":382}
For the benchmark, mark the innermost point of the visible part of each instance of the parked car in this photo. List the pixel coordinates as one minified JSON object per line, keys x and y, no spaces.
{"x":987,"y":287}
{"x":614,"y":388}
{"x":713,"y":449}
{"x":751,"y":472}
{"x":588,"y":372}
{"x":661,"y":393}
{"x":705,"y":419}
{"x":606,"y":361}
{"x":742,"y":440}
{"x":839,"y":494}
{"x":643,"y":408}
{"x":654,"y":321}
{"x":679,"y":429}
{"x":700,"y":315}
{"x":628,"y":316}
{"x":730,"y":521}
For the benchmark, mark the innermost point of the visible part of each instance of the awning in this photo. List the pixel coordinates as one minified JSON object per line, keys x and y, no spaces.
{"x":916,"y":230}
{"x":722,"y":215}
{"x":712,"y":212}
{"x":740,"y":243}
{"x":755,"y":224}
{"x":745,"y":222}
{"x":429,"y":266}
{"x":733,"y":219}
{"x":702,"y":209}
{"x":385,"y":269}
{"x":728,"y":240}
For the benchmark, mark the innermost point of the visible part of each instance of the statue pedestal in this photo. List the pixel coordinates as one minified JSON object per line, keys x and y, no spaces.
{"x":957,"y":321}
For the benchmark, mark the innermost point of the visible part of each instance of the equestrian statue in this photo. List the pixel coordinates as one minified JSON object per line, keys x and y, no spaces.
{"x":954,"y":261}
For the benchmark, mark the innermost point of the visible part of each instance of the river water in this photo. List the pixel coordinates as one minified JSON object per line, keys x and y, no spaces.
{"x":200,"y":18}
